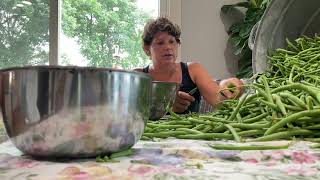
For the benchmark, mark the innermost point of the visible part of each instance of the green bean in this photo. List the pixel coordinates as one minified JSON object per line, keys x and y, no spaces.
{"x":238,"y":117}
{"x":235,"y":112}
{"x":168,"y":126}
{"x":261,"y":92}
{"x":312,"y":139}
{"x":234,"y":133}
{"x":292,"y":108}
{"x":250,"y":98}
{"x":256,"y":118}
{"x":269,"y":104}
{"x":199,"y":127}
{"x":174,"y":114}
{"x":207,"y":129}
{"x":212,"y":118}
{"x":293,"y":99}
{"x":313,"y":127}
{"x":315,"y":146}
{"x":300,"y":86}
{"x":192,"y":131}
{"x":251,"y":116}
{"x":165,"y":134}
{"x":291,"y":74}
{"x":309,"y":102}
{"x":280,"y":104}
{"x":308,"y":50}
{"x":281,"y":135}
{"x":292,"y":118}
{"x":285,"y":51}
{"x":127,"y":152}
{"x":250,"y":126}
{"x":247,"y":147}
{"x":206,"y":136}
{"x":251,"y":132}
{"x":267,"y":88}
{"x":145,"y":138}
{"x":202,"y":122}
{"x":292,"y":45}
{"x":310,"y":61}
{"x":103,"y":159}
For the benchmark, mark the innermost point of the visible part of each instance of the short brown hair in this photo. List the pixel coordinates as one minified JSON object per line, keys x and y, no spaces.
{"x":161,"y":24}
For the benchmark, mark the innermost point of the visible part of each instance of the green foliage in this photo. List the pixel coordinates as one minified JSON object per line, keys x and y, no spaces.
{"x":23,"y":33}
{"x":239,"y":32}
{"x":97,"y":25}
{"x":100,"y":31}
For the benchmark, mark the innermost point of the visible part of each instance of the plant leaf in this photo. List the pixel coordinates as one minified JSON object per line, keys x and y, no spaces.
{"x":235,"y":28}
{"x":239,"y":50}
{"x":227,"y":8}
{"x":245,"y":31}
{"x":236,"y":40}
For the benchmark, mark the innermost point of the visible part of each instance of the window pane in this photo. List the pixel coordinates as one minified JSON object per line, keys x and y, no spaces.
{"x":24,"y":32}
{"x":105,"y":33}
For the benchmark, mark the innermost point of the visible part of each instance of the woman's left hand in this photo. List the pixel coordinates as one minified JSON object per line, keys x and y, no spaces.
{"x":231,"y":88}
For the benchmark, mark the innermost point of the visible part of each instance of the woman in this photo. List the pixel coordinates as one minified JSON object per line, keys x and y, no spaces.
{"x":161,"y":39}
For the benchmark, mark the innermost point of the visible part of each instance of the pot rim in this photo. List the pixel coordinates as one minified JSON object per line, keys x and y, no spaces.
{"x":78,"y":68}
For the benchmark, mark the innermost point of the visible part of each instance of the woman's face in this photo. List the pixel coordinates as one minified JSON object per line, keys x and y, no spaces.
{"x":163,"y":48}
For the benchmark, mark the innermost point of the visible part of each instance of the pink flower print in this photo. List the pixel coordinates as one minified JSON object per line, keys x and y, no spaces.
{"x":274,"y":157}
{"x":25,"y":163}
{"x":81,"y":176}
{"x":69,"y":171}
{"x":74,"y":173}
{"x":300,"y":170}
{"x":252,"y":160}
{"x":278,"y":155}
{"x":304,"y":157}
{"x":141,"y":170}
{"x":255,"y":157}
{"x":172,"y":169}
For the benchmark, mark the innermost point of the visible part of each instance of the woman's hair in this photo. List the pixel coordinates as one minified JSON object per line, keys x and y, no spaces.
{"x":161,"y":24}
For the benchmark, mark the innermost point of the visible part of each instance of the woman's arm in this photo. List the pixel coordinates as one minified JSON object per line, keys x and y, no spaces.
{"x":209,"y":88}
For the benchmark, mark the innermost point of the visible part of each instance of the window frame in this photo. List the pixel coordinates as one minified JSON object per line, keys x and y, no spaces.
{"x":54,"y":31}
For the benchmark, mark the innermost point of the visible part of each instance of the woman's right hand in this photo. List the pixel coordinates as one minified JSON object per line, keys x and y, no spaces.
{"x":182,"y":102}
{"x":236,"y":86}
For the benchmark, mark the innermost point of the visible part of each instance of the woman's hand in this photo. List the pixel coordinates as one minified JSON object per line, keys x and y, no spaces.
{"x":182,"y":102}
{"x":231,"y":88}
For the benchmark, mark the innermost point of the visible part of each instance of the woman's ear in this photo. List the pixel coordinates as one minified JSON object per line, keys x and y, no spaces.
{"x":147,"y":50}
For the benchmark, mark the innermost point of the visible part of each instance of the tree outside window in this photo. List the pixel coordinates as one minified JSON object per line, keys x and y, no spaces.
{"x":107,"y":33}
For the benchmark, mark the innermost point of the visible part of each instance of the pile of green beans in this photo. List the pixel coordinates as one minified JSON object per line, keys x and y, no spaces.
{"x":282,"y":103}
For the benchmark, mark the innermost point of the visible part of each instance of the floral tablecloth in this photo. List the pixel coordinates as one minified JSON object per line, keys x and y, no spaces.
{"x":171,"y":159}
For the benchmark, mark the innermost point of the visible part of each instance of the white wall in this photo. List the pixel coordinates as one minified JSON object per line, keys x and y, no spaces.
{"x":204,"y":35}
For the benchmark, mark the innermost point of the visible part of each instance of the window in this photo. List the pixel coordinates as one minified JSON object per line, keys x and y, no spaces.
{"x":101,"y":33}
{"x":24,"y":32}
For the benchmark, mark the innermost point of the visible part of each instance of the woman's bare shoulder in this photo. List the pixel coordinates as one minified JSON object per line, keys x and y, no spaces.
{"x":195,"y":66}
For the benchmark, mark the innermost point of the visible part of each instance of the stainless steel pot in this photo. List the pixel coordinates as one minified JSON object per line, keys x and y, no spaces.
{"x":163,"y":97}
{"x":73,"y":111}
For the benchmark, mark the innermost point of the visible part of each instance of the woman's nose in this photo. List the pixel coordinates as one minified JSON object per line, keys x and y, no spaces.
{"x":169,"y":45}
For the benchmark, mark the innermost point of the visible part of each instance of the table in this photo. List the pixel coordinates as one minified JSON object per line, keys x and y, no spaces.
{"x":171,"y":159}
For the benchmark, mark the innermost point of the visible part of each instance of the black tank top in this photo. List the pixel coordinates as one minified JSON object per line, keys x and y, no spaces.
{"x":186,"y":86}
